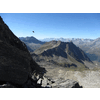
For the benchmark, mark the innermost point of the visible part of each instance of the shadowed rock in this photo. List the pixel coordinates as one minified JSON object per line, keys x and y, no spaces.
{"x":16,"y":64}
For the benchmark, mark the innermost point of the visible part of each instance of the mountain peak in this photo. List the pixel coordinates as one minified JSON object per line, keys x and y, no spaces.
{"x":63,"y":53}
{"x":53,"y":41}
{"x":30,"y":40}
{"x":61,"y":49}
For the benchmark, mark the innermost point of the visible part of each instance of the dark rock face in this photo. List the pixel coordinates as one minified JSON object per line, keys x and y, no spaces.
{"x":16,"y":64}
{"x":76,"y":52}
{"x":62,"y":49}
{"x":64,"y":54}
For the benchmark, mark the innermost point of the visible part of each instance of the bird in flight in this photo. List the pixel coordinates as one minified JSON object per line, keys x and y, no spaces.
{"x":33,"y":31}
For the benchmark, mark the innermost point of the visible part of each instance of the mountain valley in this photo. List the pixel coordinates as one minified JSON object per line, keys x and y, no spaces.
{"x":64,"y":60}
{"x":30,"y":63}
{"x":27,"y":62}
{"x":60,"y":60}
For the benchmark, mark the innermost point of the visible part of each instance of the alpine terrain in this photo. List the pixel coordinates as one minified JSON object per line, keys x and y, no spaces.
{"x":30,"y":63}
{"x":65,"y":61}
{"x":64,"y":54}
{"x":90,"y":46}
{"x":18,"y":69}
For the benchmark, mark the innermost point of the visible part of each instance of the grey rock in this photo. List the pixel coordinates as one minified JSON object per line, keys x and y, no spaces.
{"x":39,"y":81}
{"x":66,"y":84}
{"x":47,"y":82}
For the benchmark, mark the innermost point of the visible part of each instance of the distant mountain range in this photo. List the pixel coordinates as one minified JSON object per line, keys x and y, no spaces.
{"x":31,"y":42}
{"x":77,"y":40}
{"x":90,"y":46}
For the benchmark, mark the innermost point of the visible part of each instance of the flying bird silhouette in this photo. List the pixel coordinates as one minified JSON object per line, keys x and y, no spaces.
{"x":33,"y":31}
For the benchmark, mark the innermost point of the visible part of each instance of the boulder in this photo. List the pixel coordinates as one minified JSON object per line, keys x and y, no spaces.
{"x":46,"y":82}
{"x":69,"y":83}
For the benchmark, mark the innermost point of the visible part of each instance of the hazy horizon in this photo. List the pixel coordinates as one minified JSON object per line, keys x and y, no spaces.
{"x":57,"y":38}
{"x":54,"y":25}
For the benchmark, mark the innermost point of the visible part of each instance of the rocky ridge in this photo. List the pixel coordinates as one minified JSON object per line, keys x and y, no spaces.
{"x":63,"y":54}
{"x":90,"y":46}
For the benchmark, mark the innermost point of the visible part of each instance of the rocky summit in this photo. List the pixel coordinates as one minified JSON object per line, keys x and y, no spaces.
{"x":65,"y":54}
{"x":16,"y":64}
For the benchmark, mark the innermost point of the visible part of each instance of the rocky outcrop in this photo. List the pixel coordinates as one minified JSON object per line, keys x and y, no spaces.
{"x":66,"y":84}
{"x":49,"y":83}
{"x":16,"y":64}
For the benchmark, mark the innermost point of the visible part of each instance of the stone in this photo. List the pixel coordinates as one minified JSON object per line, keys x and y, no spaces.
{"x":69,"y":83}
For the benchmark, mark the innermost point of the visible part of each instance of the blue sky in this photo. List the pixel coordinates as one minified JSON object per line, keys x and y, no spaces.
{"x":54,"y":25}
